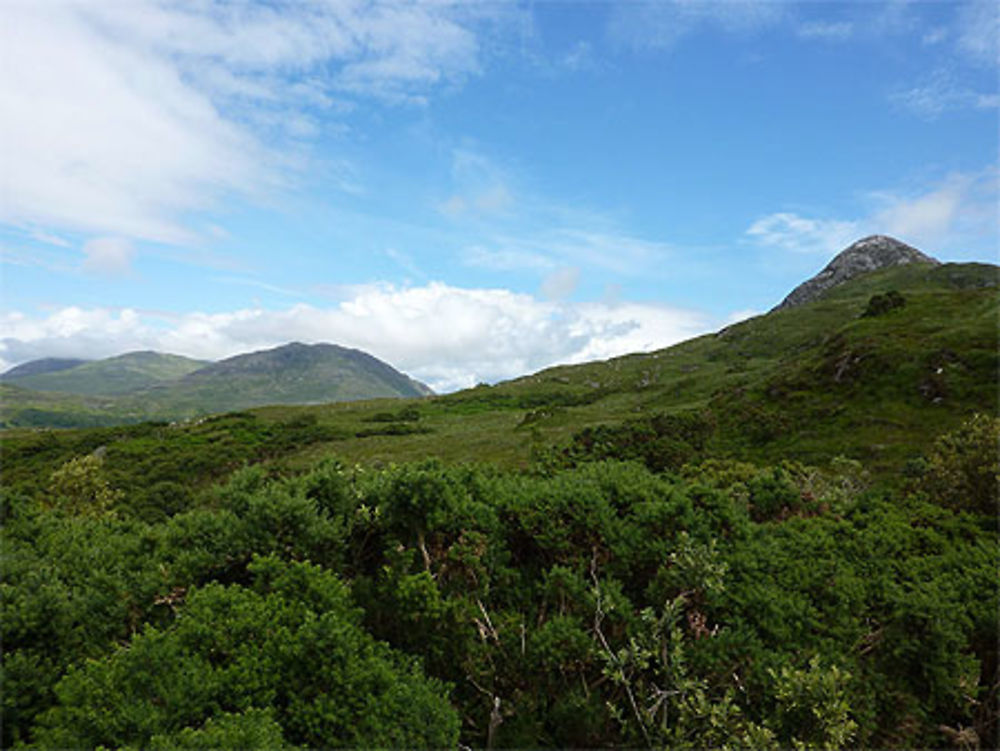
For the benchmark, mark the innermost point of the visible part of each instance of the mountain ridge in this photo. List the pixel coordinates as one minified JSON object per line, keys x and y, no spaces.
{"x":131,"y":386}
{"x":109,"y":376}
{"x":42,"y":366}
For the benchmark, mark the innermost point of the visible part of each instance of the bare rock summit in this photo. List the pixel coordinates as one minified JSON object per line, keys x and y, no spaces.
{"x":866,"y":255}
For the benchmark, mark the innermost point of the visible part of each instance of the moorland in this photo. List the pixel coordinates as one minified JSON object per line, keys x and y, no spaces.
{"x":782,"y":534}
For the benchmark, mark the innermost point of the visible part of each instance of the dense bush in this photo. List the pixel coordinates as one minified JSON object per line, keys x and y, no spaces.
{"x":591,"y":606}
{"x":881,"y":304}
{"x":283,"y":660}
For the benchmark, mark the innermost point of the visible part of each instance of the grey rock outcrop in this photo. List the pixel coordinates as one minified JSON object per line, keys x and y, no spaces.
{"x":868,"y":254}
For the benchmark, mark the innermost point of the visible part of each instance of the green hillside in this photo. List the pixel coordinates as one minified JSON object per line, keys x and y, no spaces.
{"x":112,"y":376}
{"x":291,"y":374}
{"x":782,"y":535}
{"x":808,"y":383}
{"x":38,"y":367}
{"x":149,"y":385}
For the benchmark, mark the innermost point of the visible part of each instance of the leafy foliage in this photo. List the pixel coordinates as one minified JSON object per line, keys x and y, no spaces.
{"x":767,"y":538}
{"x":590,"y":606}
{"x":962,"y":470}
{"x":879,"y":305}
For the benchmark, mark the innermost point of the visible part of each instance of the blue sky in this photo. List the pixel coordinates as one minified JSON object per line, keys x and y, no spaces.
{"x":476,"y":190}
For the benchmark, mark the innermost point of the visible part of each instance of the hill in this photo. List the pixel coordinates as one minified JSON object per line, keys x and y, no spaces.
{"x":150,"y":385}
{"x":807,"y":558}
{"x":291,"y":374}
{"x":808,"y":382}
{"x":867,"y":254}
{"x":112,"y":376}
{"x":37,"y":367}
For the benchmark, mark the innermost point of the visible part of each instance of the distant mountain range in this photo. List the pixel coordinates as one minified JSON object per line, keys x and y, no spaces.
{"x":143,"y":385}
{"x":113,"y":376}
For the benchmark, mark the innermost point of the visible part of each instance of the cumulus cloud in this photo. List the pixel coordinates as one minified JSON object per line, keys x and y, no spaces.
{"x":123,"y":118}
{"x":958,"y":213}
{"x":447,"y":336}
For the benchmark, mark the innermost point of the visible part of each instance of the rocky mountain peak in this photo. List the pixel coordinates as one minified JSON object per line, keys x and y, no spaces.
{"x":867,"y":254}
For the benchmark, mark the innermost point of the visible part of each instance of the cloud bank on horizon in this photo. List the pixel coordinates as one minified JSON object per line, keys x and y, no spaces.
{"x":400,"y":326}
{"x":470,"y":191}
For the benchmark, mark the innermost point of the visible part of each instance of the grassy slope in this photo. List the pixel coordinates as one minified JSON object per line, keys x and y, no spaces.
{"x":292,"y":374}
{"x":113,"y":376}
{"x":148,"y":385}
{"x":887,"y":402}
{"x":808,"y":383}
{"x":20,"y":406}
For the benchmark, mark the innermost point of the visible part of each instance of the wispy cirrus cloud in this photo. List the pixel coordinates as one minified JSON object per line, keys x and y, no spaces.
{"x":604,"y":250}
{"x":826,"y":30}
{"x":942,"y":92}
{"x":125,"y":118}
{"x":517,"y":229}
{"x":493,"y":334}
{"x":978,"y":32}
{"x":791,"y":232}
{"x":660,"y":25}
{"x":957,"y":213}
{"x":108,"y":255}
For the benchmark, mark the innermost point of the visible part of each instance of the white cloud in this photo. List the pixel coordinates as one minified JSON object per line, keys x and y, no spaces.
{"x":604,"y":250}
{"x":541,"y":235}
{"x":659,"y":25}
{"x":979,"y":31}
{"x":446,"y":336}
{"x":789,"y":231}
{"x":561,"y":283}
{"x":50,"y":239}
{"x":124,"y":118}
{"x":108,"y":255}
{"x":956,"y":214}
{"x":928,"y":216}
{"x":934,"y":36}
{"x":941,"y":93}
{"x":406,"y":262}
{"x":507,"y":259}
{"x":580,"y":57}
{"x":742,"y":315}
{"x":480,"y":185}
{"x":829,"y":30}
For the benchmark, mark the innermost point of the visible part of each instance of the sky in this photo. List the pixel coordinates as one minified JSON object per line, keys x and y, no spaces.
{"x":471,"y":191}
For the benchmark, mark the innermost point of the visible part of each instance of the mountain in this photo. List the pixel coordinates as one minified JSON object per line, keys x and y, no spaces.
{"x":809,"y":382}
{"x":817,"y":480}
{"x":151,"y":385}
{"x":866,"y":255}
{"x":38,"y":367}
{"x":112,"y":376}
{"x":291,"y":374}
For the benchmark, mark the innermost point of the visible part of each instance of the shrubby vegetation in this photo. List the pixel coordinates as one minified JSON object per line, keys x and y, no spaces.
{"x":587,"y":602}
{"x":879,"y":305}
